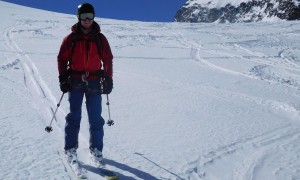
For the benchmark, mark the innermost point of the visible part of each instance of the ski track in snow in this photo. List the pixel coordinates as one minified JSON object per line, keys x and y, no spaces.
{"x":40,"y":95}
{"x":32,"y":80}
{"x":260,"y":63}
{"x":44,"y":103}
{"x":254,"y":151}
{"x":35,"y":96}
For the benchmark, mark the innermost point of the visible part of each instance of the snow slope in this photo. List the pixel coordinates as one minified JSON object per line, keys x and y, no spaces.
{"x":190,"y":101}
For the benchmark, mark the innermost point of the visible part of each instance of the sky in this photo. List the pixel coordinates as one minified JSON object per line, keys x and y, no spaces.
{"x":148,"y":10}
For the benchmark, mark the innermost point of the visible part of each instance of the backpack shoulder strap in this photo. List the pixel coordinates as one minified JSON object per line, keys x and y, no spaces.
{"x":98,"y":43}
{"x":74,"y":39}
{"x":97,"y":40}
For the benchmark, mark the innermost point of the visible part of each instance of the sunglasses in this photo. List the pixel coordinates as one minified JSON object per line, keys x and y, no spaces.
{"x":85,"y":16}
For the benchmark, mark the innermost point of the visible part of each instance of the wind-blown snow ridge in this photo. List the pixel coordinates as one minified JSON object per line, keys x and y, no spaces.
{"x":191,"y":101}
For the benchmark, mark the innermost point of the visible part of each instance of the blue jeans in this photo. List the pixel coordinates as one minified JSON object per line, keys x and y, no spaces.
{"x":94,"y":109}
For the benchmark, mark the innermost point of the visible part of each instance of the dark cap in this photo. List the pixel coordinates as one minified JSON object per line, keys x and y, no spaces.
{"x":85,"y":8}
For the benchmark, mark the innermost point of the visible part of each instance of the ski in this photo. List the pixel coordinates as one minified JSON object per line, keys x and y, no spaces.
{"x":104,"y":171}
{"x":78,"y":171}
{"x":108,"y":174}
{"x":74,"y":166}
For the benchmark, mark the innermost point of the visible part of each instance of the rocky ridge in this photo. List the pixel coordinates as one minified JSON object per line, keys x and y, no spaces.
{"x":248,"y":11}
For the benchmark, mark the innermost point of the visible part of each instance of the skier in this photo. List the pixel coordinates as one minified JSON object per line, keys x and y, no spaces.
{"x":84,"y":59}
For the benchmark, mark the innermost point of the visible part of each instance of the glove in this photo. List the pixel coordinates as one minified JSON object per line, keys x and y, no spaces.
{"x":107,"y":85}
{"x":64,"y":83}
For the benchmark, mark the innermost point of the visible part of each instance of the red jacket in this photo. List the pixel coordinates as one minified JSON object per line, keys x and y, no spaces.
{"x":85,"y":56}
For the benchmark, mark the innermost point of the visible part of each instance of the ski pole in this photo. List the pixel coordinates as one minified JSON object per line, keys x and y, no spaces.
{"x":49,"y":128}
{"x":109,"y":122}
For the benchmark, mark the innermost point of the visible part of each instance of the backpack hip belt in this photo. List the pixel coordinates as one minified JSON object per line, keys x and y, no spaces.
{"x":99,"y":73}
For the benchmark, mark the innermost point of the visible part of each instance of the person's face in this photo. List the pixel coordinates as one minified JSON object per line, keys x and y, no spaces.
{"x":86,"y":20}
{"x":86,"y":23}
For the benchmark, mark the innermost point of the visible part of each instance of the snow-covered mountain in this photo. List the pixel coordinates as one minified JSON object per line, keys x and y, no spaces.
{"x":237,"y":11}
{"x":192,"y":101}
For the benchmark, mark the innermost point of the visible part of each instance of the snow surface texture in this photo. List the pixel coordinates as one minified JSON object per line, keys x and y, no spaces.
{"x":191,"y":101}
